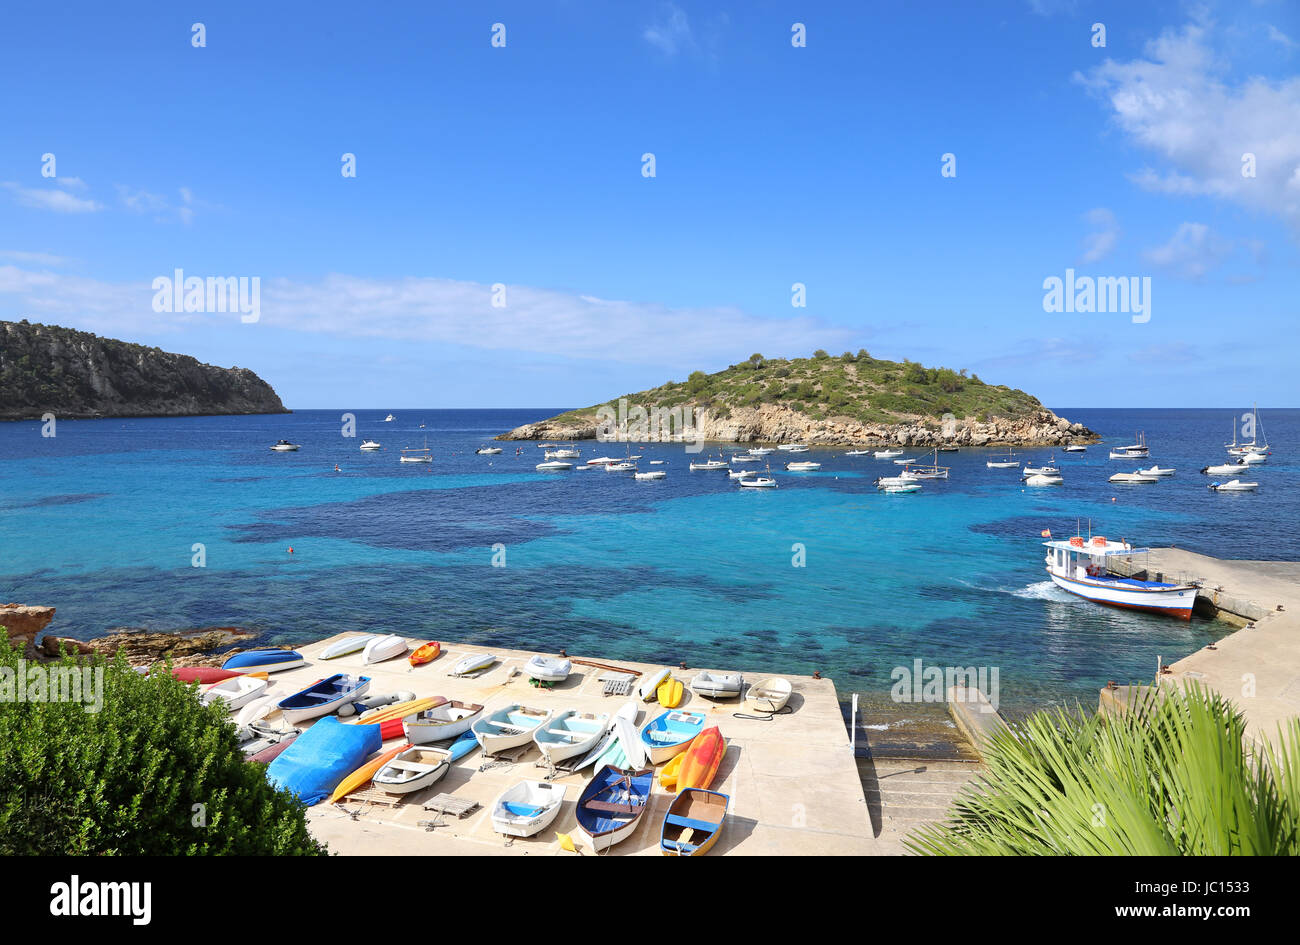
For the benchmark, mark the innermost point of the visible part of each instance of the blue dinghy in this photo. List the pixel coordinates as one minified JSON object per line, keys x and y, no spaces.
{"x":264,"y":661}
{"x":670,"y":733}
{"x":324,"y":697}
{"x":462,"y":746}
{"x":612,"y":804}
{"x":321,"y":757}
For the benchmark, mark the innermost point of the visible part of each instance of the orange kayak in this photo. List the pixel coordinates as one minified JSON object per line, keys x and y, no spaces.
{"x":704,"y":755}
{"x":425,"y":654}
{"x":361,"y":777}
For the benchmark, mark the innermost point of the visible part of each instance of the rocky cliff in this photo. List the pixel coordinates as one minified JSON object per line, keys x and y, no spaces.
{"x":853,"y":399}
{"x":75,"y":374}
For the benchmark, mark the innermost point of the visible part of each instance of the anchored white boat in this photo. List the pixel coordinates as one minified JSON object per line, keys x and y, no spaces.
{"x":1133,"y":478}
{"x":1049,"y":470}
{"x":1160,"y":472}
{"x":792,"y":447}
{"x":1075,"y":448}
{"x":709,"y":464}
{"x":1234,"y":485}
{"x":741,"y":473}
{"x":1041,"y":479}
{"x":802,"y":467}
{"x":887,"y":454}
{"x":620,"y":467}
{"x":1254,"y":459}
{"x":895,"y":488}
{"x":492,"y":451}
{"x":745,"y":458}
{"x":389,"y":419}
{"x":1079,"y":566}
{"x":284,"y":446}
{"x":1254,"y":446}
{"x":527,"y":808}
{"x":858,"y":453}
{"x":563,"y":454}
{"x":652,"y":474}
{"x":1225,"y":469}
{"x":602,"y":460}
{"x":760,"y":451}
{"x":424,"y":455}
{"x":1135,"y":450}
{"x":554,"y":465}
{"x":758,"y":482}
{"x":1009,"y":463}
{"x":931,"y":470}
{"x":371,"y":445}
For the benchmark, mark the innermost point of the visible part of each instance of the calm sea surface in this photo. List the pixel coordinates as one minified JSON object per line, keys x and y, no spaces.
{"x":102,"y":520}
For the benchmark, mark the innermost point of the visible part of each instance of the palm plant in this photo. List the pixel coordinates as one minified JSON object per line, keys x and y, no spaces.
{"x":1174,"y":775}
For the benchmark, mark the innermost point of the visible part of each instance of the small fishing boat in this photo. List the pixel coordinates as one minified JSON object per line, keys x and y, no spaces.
{"x":1009,"y":463}
{"x":234,"y":692}
{"x":1039,"y":479}
{"x":887,"y":454}
{"x":508,"y":727}
{"x":488,"y":450}
{"x":602,"y":460}
{"x":550,"y":669}
{"x":1254,"y":459}
{"x":949,"y":449}
{"x":370,"y":445}
{"x":760,"y":450}
{"x":473,"y":663}
{"x":709,"y":464}
{"x":323,"y":697}
{"x":1079,"y":566}
{"x":1234,"y":485}
{"x":264,"y":661}
{"x":346,"y":646}
{"x":284,"y":446}
{"x":802,"y":467}
{"x":389,"y":419}
{"x":770,"y":695}
{"x":620,"y":467}
{"x":412,"y":770}
{"x":648,"y":687}
{"x":670,"y":733}
{"x":566,"y":453}
{"x":758,"y":482}
{"x":744,"y":458}
{"x":1075,"y":448}
{"x":1048,"y":470}
{"x":384,"y":648}
{"x":740,"y":473}
{"x":703,"y":757}
{"x":1160,"y":472}
{"x":717,"y":685}
{"x":905,"y":487}
{"x":693,"y":823}
{"x":423,"y":455}
{"x":858,"y":453}
{"x":1225,"y":469}
{"x":441,"y":722}
{"x":611,"y":805}
{"x":527,"y":808}
{"x":554,"y":465}
{"x":569,"y":734}
{"x":670,"y":693}
{"x":652,"y":474}
{"x":1133,"y":478}
{"x":904,"y":462}
{"x":425,"y":654}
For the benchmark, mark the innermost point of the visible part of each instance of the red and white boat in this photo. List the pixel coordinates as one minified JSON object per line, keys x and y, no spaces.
{"x":1078,"y":565}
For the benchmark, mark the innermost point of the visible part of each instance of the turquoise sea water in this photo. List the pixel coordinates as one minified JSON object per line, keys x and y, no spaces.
{"x":101,"y":521}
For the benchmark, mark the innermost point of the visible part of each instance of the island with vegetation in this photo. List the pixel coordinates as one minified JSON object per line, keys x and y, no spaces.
{"x":47,"y":369}
{"x":826,"y":400}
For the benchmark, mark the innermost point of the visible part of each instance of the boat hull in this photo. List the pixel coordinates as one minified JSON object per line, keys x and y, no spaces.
{"x":528,"y":808}
{"x":1176,"y":601}
{"x":700,"y":766}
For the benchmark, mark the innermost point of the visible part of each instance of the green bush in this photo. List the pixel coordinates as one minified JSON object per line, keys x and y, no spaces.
{"x":128,"y":779}
{"x":820,"y":354}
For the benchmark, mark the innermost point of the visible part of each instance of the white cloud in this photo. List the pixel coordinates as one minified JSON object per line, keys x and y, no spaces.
{"x":671,"y":32}
{"x":1277,"y":36}
{"x":164,"y":209}
{"x":447,"y":311}
{"x":57,"y":200}
{"x":1097,"y":246}
{"x":1179,"y":104}
{"x":34,"y":259}
{"x":72,"y":183}
{"x":1192,"y":252}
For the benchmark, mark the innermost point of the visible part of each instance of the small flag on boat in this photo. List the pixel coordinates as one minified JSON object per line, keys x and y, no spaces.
{"x":1047,"y":533}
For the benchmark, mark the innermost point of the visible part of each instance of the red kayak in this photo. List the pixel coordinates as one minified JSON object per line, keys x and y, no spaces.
{"x":391,"y":729}
{"x":203,"y":674}
{"x":267,"y":755}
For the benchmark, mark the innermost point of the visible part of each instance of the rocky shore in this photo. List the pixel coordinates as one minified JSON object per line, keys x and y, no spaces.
{"x":773,"y":423}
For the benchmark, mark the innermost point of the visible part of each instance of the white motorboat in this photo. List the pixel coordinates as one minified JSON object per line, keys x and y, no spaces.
{"x":760,"y":451}
{"x":656,"y":462}
{"x":620,"y":467}
{"x":769,"y":696}
{"x":527,"y":808}
{"x":1226,"y":469}
{"x":389,"y":419}
{"x":602,"y":460}
{"x":904,"y":462}
{"x":858,"y":453}
{"x":1079,"y":566}
{"x":902,"y":480}
{"x":1075,"y":448}
{"x":371,"y":445}
{"x":652,"y":474}
{"x":553,"y":465}
{"x":473,"y":663}
{"x":551,"y":669}
{"x":1039,"y":479}
{"x":1161,"y":472}
{"x":569,"y":734}
{"x":740,"y":473}
{"x":1049,"y":470}
{"x":492,"y":451}
{"x":384,"y":648}
{"x":1234,"y":485}
{"x":902,"y":488}
{"x":412,"y":770}
{"x":563,"y":454}
{"x":441,"y":722}
{"x":758,"y":482}
{"x":1133,"y":478}
{"x":802,"y":467}
{"x":745,"y":458}
{"x":508,"y":727}
{"x":1254,"y":459}
{"x":717,"y":685}
{"x":235,"y":692}
{"x":887,"y":454}
{"x":709,"y":464}
{"x":346,"y":646}
{"x":792,"y":447}
{"x":284,"y":446}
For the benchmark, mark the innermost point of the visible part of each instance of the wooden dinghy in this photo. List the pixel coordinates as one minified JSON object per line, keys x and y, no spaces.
{"x":693,"y":823}
{"x":770,"y":695}
{"x":612,"y":804}
{"x":441,"y":722}
{"x":528,"y":808}
{"x":412,"y":770}
{"x":363,"y":775}
{"x":323,"y":697}
{"x":569,"y":734}
{"x":509,"y":727}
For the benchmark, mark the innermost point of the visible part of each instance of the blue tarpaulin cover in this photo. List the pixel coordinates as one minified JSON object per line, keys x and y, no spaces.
{"x":321,"y":757}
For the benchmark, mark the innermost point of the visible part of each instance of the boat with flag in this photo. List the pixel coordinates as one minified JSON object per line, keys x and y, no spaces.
{"x":1078,"y":565}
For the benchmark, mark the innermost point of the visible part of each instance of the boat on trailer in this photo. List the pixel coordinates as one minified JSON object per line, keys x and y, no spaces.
{"x":1078,"y":565}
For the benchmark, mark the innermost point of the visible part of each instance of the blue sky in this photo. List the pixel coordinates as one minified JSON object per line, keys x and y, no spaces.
{"x":521,"y":165}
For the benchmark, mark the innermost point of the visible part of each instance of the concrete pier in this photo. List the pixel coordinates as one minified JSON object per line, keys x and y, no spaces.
{"x":793,"y":781}
{"x":1258,"y":666}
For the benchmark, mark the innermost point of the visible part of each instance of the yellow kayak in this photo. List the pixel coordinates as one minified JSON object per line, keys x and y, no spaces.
{"x":670,"y":693}
{"x":361,"y":777}
{"x":668,"y":773}
{"x":400,"y":710}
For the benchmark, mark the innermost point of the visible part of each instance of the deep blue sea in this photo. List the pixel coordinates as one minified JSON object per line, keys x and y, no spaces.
{"x":101,"y":521}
